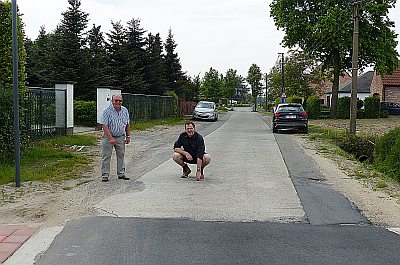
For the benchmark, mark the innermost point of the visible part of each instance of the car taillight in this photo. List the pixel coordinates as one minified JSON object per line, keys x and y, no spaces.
{"x":304,"y":114}
{"x":277,"y":114}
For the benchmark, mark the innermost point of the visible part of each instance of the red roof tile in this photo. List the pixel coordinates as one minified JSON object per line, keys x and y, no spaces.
{"x":393,"y":79}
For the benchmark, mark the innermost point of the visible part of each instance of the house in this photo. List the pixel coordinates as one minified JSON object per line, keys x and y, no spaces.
{"x":364,"y":83}
{"x":326,"y":94}
{"x":387,"y":87}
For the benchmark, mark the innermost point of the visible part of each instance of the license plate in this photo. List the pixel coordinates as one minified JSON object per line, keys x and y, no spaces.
{"x":290,"y":116}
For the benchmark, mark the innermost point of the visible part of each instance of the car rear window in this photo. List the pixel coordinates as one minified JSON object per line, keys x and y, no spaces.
{"x":290,"y":108}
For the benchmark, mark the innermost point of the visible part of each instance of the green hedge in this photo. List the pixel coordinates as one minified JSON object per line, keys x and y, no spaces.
{"x":372,"y":107}
{"x":314,"y":107}
{"x":343,"y":108}
{"x":85,"y":113}
{"x":387,"y":154}
{"x":294,"y":99}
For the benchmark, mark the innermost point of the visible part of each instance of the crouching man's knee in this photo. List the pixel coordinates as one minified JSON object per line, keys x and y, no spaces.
{"x":177,"y":157}
{"x":206,"y":159}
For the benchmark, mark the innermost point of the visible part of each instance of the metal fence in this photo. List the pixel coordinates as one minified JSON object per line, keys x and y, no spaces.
{"x":149,"y":107}
{"x":40,"y":113}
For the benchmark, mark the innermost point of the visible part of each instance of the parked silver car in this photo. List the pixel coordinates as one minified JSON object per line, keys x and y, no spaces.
{"x":205,"y":110}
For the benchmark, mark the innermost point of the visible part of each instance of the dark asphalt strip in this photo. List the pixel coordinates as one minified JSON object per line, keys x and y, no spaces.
{"x":322,"y":204}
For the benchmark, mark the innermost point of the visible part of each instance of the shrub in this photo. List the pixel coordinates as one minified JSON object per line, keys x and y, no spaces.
{"x":387,"y":153}
{"x":343,"y":108}
{"x":362,"y":147}
{"x":294,"y":99}
{"x":372,"y":107}
{"x":176,"y":99}
{"x":85,"y":113}
{"x":360,"y":104}
{"x":360,"y":114}
{"x":384,"y":114}
{"x":314,"y":107}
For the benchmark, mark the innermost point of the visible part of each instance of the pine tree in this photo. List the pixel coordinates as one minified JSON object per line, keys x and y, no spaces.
{"x":38,"y":60}
{"x":173,"y":66}
{"x":98,"y":72}
{"x":116,"y":53}
{"x":156,"y":65}
{"x":136,"y":79}
{"x":67,"y":56}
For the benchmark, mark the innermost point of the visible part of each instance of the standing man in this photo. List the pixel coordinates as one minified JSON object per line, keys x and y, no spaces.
{"x":190,"y":148}
{"x":116,"y":133}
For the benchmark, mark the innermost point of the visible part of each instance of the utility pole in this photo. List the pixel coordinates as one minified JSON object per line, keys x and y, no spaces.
{"x":283,"y":77}
{"x":266,"y":91}
{"x":16,"y":99}
{"x":353,"y":101}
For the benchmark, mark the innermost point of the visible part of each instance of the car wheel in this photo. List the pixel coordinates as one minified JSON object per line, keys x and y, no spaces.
{"x":274,"y":130}
{"x":305,"y":130}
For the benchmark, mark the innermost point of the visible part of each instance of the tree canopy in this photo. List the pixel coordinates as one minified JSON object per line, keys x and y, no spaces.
{"x":324,"y":29}
{"x":254,"y":78}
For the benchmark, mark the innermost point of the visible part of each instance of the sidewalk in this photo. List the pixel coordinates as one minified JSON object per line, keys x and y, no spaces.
{"x":12,"y":237}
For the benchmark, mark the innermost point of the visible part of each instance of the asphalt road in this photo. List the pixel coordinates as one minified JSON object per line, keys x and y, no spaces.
{"x":263,"y":201}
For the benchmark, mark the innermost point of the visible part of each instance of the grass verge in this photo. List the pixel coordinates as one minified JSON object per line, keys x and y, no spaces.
{"x":325,"y":139}
{"x":56,"y":159}
{"x":144,"y":125}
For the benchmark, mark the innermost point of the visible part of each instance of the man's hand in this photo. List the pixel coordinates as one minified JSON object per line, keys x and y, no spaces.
{"x":127,"y":139}
{"x":199,"y":176}
{"x":188,"y":157}
{"x":112,"y":141}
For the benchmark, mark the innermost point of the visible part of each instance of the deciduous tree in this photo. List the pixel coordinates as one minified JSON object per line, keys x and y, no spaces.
{"x":254,"y":77}
{"x":324,"y":29}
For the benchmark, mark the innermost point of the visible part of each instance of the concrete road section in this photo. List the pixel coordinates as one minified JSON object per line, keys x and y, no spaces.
{"x":247,"y":180}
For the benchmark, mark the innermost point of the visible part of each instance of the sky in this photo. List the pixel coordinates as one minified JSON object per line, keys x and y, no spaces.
{"x":221,"y":34}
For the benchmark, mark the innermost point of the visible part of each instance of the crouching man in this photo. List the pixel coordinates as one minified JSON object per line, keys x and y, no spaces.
{"x":190,"y":148}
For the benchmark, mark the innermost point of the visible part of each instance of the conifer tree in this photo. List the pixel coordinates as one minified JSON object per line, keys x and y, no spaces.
{"x":97,"y":73}
{"x":116,"y":53}
{"x":67,"y":56}
{"x":136,"y":79}
{"x":156,"y":65}
{"x":174,"y":74}
{"x":38,"y":60}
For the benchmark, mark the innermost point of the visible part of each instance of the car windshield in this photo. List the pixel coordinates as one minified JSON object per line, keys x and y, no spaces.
{"x":290,"y":108}
{"x":205,"y":105}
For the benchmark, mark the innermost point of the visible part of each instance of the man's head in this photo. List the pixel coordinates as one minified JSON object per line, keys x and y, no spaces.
{"x":190,"y":128}
{"x":116,"y":101}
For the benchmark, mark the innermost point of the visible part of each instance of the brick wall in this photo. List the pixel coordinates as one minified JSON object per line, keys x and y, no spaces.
{"x":392,"y":94}
{"x":377,"y":86}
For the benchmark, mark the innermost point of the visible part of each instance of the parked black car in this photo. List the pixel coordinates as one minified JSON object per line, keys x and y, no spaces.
{"x":290,"y":116}
{"x":391,"y":108}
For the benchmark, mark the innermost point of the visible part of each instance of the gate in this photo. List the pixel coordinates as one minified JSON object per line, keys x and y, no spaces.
{"x":43,"y":107}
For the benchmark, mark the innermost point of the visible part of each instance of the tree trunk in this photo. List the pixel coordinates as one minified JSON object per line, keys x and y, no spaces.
{"x":335,"y":84}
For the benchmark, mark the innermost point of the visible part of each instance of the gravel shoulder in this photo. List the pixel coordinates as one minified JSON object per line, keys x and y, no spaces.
{"x":54,"y":204}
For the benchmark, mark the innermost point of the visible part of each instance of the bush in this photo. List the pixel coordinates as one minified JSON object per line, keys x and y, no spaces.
{"x":372,"y":107}
{"x":360,"y":114}
{"x":362,"y":147}
{"x":171,"y":93}
{"x":360,"y":104}
{"x":85,"y":113}
{"x":343,"y":111}
{"x":314,"y":107}
{"x":387,"y":153}
{"x":384,"y":114}
{"x":294,"y":99}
